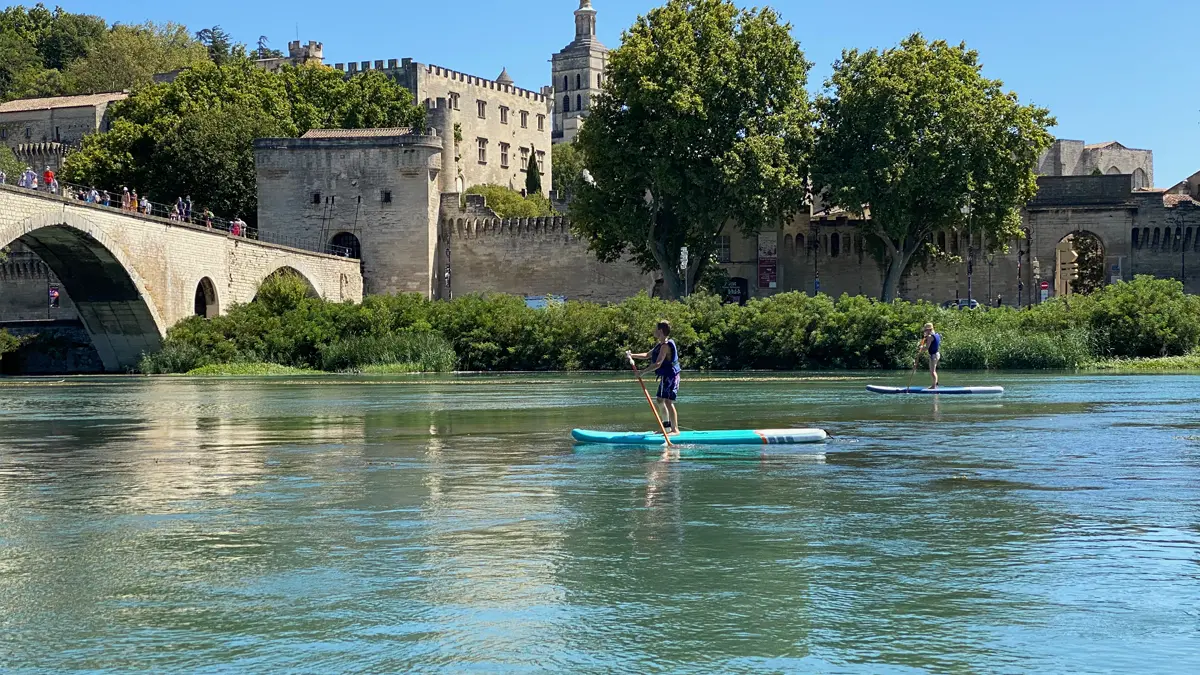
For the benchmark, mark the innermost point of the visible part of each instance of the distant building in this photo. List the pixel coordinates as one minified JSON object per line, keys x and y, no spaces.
{"x":41,"y":130}
{"x":1073,"y":158}
{"x":298,"y":55}
{"x":577,"y":75}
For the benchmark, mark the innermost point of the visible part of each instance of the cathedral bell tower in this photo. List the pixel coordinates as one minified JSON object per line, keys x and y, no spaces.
{"x":577,"y":75}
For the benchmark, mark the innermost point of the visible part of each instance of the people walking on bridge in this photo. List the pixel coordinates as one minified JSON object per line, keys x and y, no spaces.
{"x":3,"y":177}
{"x":238,"y":227}
{"x":93,"y":197}
{"x":28,"y":179}
{"x":177,"y":213}
{"x":105,"y":198}
{"x":124,"y":199}
{"x":134,"y":202}
{"x":48,"y":181}
{"x":187,"y":209}
{"x":208,"y":216}
{"x":145,"y":205}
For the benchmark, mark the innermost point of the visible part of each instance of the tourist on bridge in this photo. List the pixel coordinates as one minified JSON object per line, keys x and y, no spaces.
{"x":3,"y":177}
{"x":93,"y":197}
{"x":208,"y":216}
{"x":105,"y":198}
{"x":238,"y":226}
{"x":145,"y":205}
{"x":187,"y":208}
{"x":125,"y":199}
{"x":48,"y":180}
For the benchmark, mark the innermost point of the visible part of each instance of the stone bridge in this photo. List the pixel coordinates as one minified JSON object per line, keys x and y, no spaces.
{"x":132,"y":277}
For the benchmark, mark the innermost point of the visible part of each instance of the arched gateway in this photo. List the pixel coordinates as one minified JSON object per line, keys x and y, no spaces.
{"x":133,"y":277}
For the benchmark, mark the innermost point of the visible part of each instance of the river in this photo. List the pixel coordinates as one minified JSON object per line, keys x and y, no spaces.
{"x":446,"y":525}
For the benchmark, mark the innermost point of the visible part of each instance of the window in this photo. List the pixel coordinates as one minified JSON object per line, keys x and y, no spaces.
{"x":835,"y":245}
{"x":56,"y":135}
{"x":482,"y":109}
{"x":541,"y":162}
{"x":599,"y":81}
{"x":454,"y":100}
{"x":566,"y":109}
{"x":566,"y":83}
{"x":541,"y":122}
{"x":316,"y":197}
{"x":723,"y":254}
{"x":577,"y":85}
{"x":483,"y":151}
{"x":385,"y":196}
{"x":1157,"y":234}
{"x":28,"y":132}
{"x":524,"y":158}
{"x":503,"y":115}
{"x":941,"y":241}
{"x":3,"y":134}
{"x":504,"y":155}
{"x":524,"y":119}
{"x":578,"y":102}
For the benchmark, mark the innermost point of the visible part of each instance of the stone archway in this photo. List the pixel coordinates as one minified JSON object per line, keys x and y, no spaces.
{"x":311,"y":289}
{"x":206,"y":304}
{"x":112,"y":301}
{"x":1090,"y":248}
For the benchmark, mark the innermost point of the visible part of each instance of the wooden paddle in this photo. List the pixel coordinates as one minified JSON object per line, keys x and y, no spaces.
{"x":654,"y":410}
{"x":916,"y":360}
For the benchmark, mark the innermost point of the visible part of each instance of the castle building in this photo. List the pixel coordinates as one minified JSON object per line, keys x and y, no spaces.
{"x":298,"y":55}
{"x":494,"y":126}
{"x":577,"y":74}
{"x":1074,"y":158}
{"x":41,"y":130}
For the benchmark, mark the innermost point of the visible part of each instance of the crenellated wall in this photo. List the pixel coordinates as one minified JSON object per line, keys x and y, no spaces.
{"x":525,"y":256}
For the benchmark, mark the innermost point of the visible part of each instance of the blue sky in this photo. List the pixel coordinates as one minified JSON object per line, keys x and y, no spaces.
{"x":1108,"y":70}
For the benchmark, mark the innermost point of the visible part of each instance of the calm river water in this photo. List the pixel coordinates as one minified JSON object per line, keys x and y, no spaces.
{"x":450,"y":525}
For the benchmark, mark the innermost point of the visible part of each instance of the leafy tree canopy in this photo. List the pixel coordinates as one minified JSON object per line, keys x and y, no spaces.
{"x":704,"y":120}
{"x":568,"y":168}
{"x":508,"y":203}
{"x":921,"y":136}
{"x":194,"y":136}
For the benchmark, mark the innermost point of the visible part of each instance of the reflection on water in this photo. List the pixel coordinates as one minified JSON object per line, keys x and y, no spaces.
{"x":449,"y":524}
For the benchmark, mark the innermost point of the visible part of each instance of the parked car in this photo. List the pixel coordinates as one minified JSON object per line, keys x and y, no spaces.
{"x":961,"y":304}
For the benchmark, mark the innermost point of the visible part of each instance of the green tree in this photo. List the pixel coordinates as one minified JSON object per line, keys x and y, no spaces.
{"x":219,"y":43}
{"x":703,"y":121}
{"x":568,"y":168}
{"x":508,"y":203}
{"x":264,"y":50}
{"x":920,"y":137}
{"x":8,"y":342}
{"x":1090,"y":261}
{"x":9,"y":165}
{"x":533,"y":176}
{"x":68,"y":38}
{"x":128,"y":57}
{"x":194,"y":136}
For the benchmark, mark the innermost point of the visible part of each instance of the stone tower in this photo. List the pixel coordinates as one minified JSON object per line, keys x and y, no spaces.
{"x":578,"y":72}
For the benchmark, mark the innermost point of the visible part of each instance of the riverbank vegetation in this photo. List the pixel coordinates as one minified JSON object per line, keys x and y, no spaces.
{"x":791,"y":331}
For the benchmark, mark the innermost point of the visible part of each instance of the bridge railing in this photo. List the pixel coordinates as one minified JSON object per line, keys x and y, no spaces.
{"x":198,"y":218}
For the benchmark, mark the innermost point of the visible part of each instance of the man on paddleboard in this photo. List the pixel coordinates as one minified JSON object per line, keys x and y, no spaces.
{"x":932,"y":343}
{"x":665,"y":356}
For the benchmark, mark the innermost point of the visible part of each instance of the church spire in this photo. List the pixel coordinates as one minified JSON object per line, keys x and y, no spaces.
{"x":585,"y":21}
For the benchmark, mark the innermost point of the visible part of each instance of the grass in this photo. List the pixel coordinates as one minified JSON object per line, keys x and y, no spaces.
{"x":225,"y":369}
{"x":1165,"y":364}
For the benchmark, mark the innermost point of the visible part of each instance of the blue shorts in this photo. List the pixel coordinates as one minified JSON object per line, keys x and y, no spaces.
{"x":668,"y":386}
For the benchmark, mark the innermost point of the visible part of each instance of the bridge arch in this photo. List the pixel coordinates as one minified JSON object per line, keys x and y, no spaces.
{"x":112,"y":300}
{"x":313,"y":291}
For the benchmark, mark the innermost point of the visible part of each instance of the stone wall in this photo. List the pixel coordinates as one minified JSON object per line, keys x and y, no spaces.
{"x":526,"y":256}
{"x":384,"y":191}
{"x":132,"y":277}
{"x":54,"y":347}
{"x":1074,"y":158}
{"x":25,"y":283}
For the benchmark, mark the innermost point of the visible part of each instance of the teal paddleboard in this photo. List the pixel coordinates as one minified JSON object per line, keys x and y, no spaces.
{"x":940,"y":390}
{"x":731,"y":437}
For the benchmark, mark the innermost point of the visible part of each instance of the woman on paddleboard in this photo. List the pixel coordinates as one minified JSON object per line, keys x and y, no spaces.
{"x":932,"y":343}
{"x":665,"y":356}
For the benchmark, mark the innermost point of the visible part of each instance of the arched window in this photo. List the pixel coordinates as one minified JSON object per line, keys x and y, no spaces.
{"x":1112,"y":171}
{"x":577,"y":82}
{"x":566,"y":104}
{"x":800,"y":242}
{"x":1166,"y":240}
{"x":954,"y":237}
{"x":566,"y":83}
{"x":1139,"y":179}
{"x":578,"y":102}
{"x":1187,"y":239}
{"x":1157,"y":233}
{"x":599,"y":82}
{"x":346,"y":244}
{"x":1136,"y":234}
{"x":835,"y":245}
{"x":787,"y":243}
{"x":1145,"y":237}
{"x":1178,"y":239}
{"x":941,"y":241}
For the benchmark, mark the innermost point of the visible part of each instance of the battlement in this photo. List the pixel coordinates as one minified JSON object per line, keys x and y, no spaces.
{"x":475,"y":219}
{"x":312,"y":51}
{"x":353,"y":68}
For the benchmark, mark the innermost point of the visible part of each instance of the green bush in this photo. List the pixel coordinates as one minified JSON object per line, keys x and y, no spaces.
{"x":788,"y":331}
{"x":508,"y":203}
